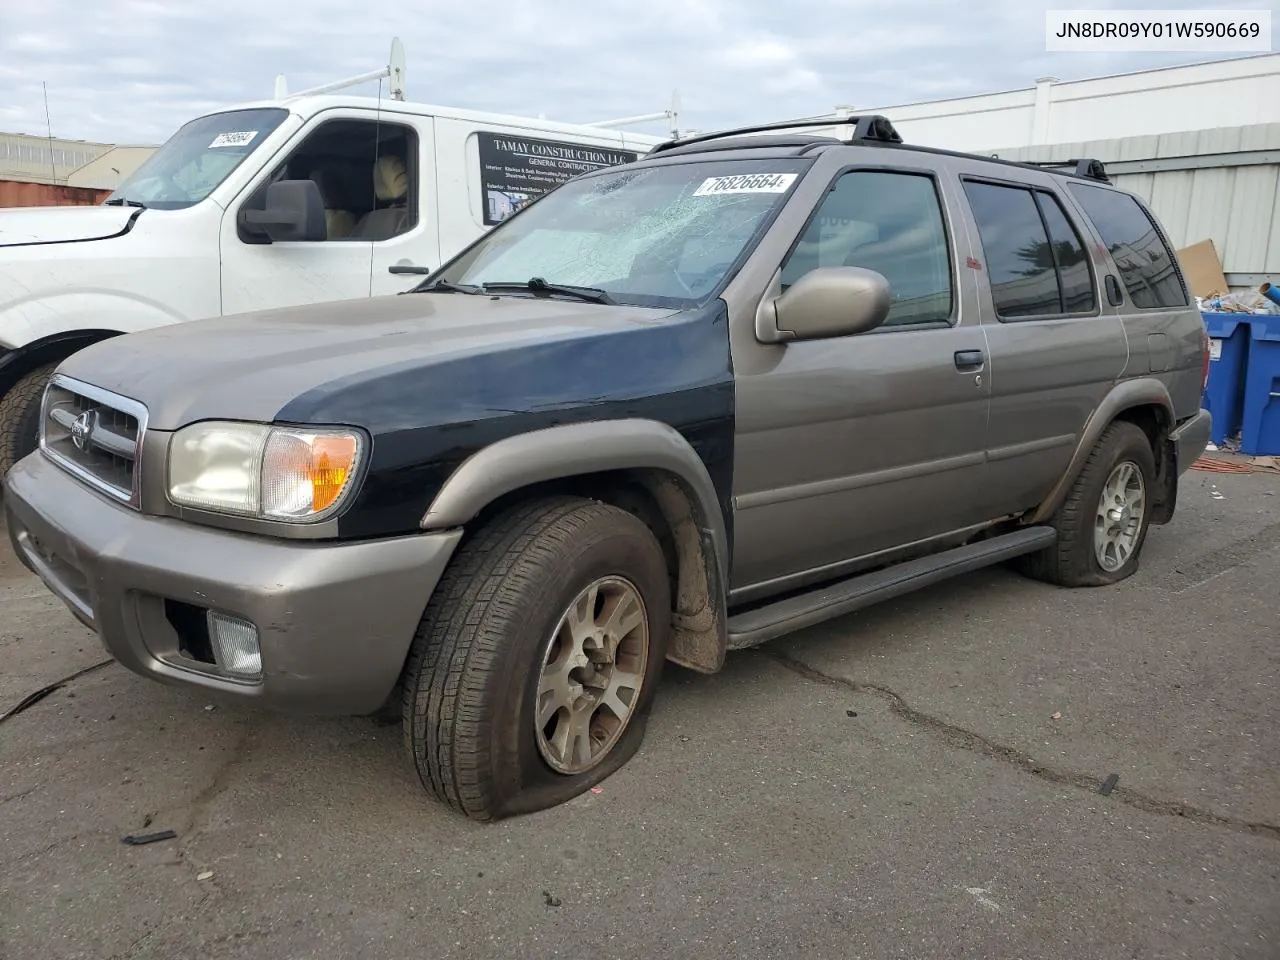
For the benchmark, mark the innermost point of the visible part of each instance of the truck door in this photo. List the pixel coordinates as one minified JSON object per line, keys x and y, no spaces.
{"x":364,"y":165}
{"x":403,"y":226}
{"x":851,"y":446}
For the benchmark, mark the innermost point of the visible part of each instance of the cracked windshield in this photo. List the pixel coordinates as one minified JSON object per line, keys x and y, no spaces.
{"x":665,"y":236}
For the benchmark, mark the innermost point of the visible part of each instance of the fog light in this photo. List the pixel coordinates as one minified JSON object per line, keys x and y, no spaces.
{"x":235,"y":645}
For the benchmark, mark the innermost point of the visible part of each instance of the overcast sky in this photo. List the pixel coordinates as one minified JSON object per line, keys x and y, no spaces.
{"x":131,"y":71}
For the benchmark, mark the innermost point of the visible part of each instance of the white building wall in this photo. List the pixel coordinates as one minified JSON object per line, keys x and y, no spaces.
{"x":1227,"y":93}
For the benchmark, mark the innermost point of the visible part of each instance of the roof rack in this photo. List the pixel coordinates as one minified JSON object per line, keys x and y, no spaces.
{"x":394,"y":71}
{"x":672,"y":113}
{"x":1085,"y":167}
{"x":869,"y":128}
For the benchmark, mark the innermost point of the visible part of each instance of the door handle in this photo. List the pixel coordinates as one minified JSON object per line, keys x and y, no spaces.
{"x":1114,"y":296}
{"x":410,"y":268}
{"x":969,"y":359}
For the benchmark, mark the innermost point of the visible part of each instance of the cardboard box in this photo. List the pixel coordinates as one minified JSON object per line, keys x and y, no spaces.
{"x":1203,"y":269}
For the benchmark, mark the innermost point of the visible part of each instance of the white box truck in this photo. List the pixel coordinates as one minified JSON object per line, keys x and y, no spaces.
{"x":298,"y":199}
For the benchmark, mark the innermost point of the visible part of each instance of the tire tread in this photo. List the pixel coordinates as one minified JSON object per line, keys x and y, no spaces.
{"x":1068,"y":562}
{"x":14,"y":407}
{"x":459,"y":646}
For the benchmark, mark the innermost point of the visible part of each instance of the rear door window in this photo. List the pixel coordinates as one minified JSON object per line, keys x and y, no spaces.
{"x":1147,"y":266}
{"x":1035,"y":260}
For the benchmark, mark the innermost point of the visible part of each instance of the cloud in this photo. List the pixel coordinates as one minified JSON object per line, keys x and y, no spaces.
{"x":133,"y":70}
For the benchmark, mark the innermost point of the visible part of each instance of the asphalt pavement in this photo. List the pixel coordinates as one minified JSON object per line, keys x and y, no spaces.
{"x":921,"y":780}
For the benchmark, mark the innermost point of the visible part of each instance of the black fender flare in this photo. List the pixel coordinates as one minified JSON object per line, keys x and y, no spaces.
{"x":18,"y":362}
{"x":686,"y":496}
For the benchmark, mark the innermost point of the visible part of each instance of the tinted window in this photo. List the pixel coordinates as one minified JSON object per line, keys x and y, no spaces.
{"x":1146,"y":264}
{"x":1019,"y":261}
{"x":1074,"y":275}
{"x":890,"y":223}
{"x":1036,"y":264}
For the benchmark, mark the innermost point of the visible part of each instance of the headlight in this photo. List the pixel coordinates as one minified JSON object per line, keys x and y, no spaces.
{"x":250,"y":469}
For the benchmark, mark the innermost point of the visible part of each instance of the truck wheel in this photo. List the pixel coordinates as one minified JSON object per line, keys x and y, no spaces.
{"x":20,"y":417}
{"x":533,"y":670}
{"x":1103,"y":522}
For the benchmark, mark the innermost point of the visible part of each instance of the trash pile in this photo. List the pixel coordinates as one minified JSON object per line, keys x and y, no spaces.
{"x":1203,"y":270}
{"x":1264,"y":300}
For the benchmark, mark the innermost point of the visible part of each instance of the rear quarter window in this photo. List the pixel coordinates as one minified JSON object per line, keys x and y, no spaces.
{"x":1147,"y":266}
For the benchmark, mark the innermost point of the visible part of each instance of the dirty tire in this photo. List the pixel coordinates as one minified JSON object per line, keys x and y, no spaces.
{"x":471,"y":681}
{"x":20,"y":417}
{"x":1071,"y":562}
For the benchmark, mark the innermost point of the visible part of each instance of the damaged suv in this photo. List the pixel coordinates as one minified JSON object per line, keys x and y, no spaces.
{"x":753,"y":381}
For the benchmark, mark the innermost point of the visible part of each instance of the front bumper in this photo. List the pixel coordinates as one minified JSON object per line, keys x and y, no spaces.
{"x":1191,"y":439}
{"x":334,"y":620}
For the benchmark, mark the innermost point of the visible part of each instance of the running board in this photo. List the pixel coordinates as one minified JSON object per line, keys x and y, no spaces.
{"x":774,"y":620}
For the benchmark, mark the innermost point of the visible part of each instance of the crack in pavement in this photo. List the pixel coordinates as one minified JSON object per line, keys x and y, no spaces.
{"x":963,"y":739}
{"x":132,"y":949}
{"x":198,"y":810}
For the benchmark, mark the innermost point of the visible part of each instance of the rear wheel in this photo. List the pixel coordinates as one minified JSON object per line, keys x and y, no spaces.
{"x":1103,"y":522}
{"x":20,"y":417}
{"x":534,"y":668}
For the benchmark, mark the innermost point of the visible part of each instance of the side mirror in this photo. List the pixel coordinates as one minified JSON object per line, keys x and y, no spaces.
{"x":294,"y":211}
{"x":826,"y":302}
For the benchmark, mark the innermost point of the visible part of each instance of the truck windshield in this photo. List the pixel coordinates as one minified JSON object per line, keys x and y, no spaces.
{"x":197,"y":158}
{"x":663,"y":236}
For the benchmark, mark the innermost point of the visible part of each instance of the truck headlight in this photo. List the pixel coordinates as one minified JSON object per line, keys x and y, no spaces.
{"x":276,"y":473}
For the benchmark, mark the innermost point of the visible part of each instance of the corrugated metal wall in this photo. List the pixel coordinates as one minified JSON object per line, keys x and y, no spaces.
{"x":16,"y":193}
{"x":1221,"y":184}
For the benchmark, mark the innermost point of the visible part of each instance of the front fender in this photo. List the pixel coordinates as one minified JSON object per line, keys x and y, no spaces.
{"x":42,"y":316}
{"x":575,"y":449}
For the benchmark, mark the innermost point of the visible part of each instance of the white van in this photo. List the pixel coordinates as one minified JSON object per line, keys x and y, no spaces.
{"x":294,"y":200}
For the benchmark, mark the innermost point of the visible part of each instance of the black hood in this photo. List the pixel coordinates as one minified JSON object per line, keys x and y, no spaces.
{"x":433,"y":378}
{"x":257,"y":366}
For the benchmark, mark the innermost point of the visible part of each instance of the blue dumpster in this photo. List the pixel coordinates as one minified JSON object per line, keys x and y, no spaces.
{"x":1260,"y":426}
{"x":1228,"y":354}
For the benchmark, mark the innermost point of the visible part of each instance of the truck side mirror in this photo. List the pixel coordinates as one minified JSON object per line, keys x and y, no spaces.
{"x":826,"y":302}
{"x":293,"y":212}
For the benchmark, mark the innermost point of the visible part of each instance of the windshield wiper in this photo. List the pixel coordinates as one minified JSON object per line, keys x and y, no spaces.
{"x":539,"y":286}
{"x":446,"y":286}
{"x":125,"y":202}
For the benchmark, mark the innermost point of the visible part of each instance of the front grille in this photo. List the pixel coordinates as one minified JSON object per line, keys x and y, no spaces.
{"x":95,"y":435}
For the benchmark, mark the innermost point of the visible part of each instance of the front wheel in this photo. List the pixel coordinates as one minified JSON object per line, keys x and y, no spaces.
{"x":1103,"y":522}
{"x":20,"y":417}
{"x":532,"y":673}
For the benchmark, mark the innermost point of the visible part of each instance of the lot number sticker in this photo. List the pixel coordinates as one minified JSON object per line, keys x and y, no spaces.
{"x":746,"y":183}
{"x":240,"y":138}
